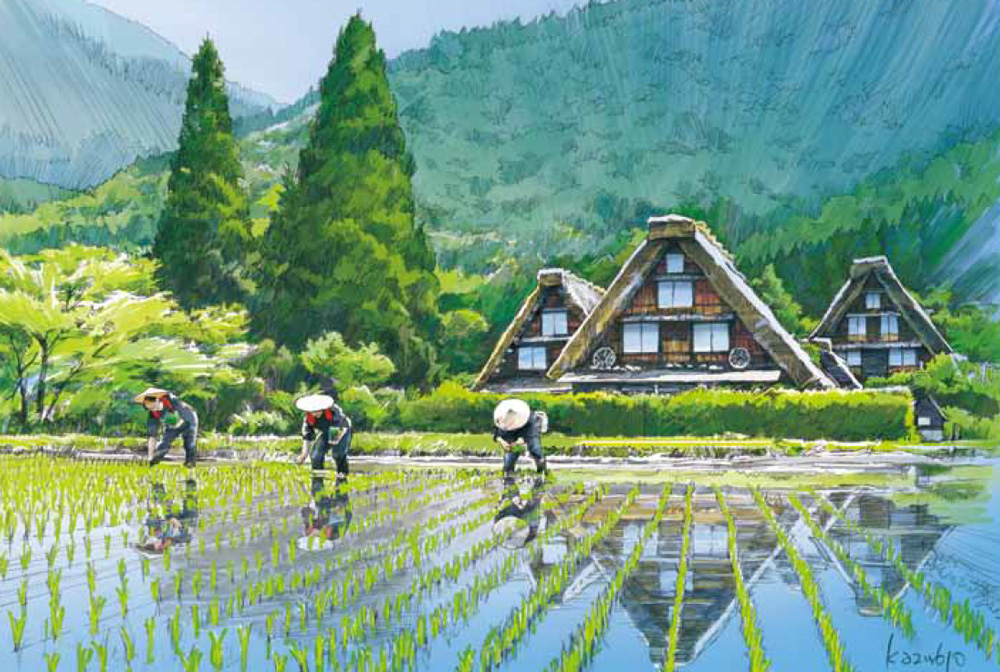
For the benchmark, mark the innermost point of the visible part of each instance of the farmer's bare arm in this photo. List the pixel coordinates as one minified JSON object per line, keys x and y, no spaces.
{"x":304,"y":452}
{"x":151,"y":446}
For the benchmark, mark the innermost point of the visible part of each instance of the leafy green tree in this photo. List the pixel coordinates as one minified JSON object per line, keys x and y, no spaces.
{"x":343,"y":251}
{"x":85,"y":325}
{"x":463,"y":341}
{"x":772,"y":291}
{"x":329,"y":355}
{"x":204,"y":231}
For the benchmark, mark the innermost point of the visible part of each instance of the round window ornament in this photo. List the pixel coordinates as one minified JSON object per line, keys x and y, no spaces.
{"x":739,"y":358}
{"x":604,"y":359}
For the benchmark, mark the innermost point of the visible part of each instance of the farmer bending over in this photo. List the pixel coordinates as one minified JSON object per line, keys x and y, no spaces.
{"x":515,"y":425}
{"x":161,"y":404}
{"x":323,"y":417}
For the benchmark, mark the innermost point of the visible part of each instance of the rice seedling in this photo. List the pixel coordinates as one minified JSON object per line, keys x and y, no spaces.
{"x":216,"y":653}
{"x":17,"y":625}
{"x":192,"y":661}
{"x":679,"y":589}
{"x":243,"y":633}
{"x":52,"y":661}
{"x":128,"y":647}
{"x":102,"y":656}
{"x":96,"y":607}
{"x":150,"y":625}
{"x":83,"y":656}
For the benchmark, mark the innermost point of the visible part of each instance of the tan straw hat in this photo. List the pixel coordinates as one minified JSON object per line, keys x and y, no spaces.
{"x":150,"y":392}
{"x":511,"y":414}
{"x":314,"y":403}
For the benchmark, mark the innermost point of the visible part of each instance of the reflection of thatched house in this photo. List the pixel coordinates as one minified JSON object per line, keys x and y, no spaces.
{"x":545,"y":322}
{"x":680,"y":315}
{"x":877,"y":326}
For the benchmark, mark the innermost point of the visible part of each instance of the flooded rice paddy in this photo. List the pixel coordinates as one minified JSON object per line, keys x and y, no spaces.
{"x":264,"y":567}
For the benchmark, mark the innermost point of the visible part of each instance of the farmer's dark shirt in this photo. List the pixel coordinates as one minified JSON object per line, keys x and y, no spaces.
{"x":511,"y":436}
{"x":323,"y":421}
{"x":171,"y":406}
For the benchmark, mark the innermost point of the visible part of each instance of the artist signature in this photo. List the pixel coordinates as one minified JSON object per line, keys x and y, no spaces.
{"x":939,"y":658}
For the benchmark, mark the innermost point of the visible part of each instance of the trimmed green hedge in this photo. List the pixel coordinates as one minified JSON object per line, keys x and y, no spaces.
{"x":835,"y":415}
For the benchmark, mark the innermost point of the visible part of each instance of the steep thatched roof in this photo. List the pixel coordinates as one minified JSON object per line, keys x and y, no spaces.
{"x":835,"y":366}
{"x":580,"y":293}
{"x":697,"y":242}
{"x":911,"y":311}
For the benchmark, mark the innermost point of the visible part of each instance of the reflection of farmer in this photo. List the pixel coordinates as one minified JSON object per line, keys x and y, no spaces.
{"x":515,"y":425}
{"x":174,"y":527}
{"x":325,"y":427}
{"x":516,"y":518}
{"x":163,"y":405}
{"x":326,"y":518}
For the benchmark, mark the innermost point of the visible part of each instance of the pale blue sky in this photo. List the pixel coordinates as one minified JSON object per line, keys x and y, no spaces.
{"x":281,"y":47}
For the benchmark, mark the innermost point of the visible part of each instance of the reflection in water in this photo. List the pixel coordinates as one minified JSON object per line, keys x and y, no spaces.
{"x":168,"y":524}
{"x":710,"y":598}
{"x":327,"y":517}
{"x":519,"y":518}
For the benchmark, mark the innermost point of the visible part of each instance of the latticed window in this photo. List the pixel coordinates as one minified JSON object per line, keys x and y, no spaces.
{"x":711,"y":337}
{"x":676,"y":294}
{"x":873,"y":300}
{"x":675,"y":262}
{"x":902,"y":357}
{"x":857,"y":328}
{"x":890,"y":327}
{"x":531,"y":358}
{"x":641,"y":338}
{"x":554,"y":323}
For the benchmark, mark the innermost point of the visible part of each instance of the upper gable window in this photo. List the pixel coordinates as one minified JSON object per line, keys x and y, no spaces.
{"x":555,"y":323}
{"x":873,"y":300}
{"x":676,"y":294}
{"x":675,"y":262}
{"x":857,"y":326}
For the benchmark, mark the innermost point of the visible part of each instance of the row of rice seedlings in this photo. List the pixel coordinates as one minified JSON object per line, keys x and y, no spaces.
{"x":893,"y":610}
{"x":401,"y":652}
{"x":502,"y":640}
{"x":675,"y":619}
{"x":752,"y":635}
{"x":962,"y":616}
{"x":583,"y":642}
{"x":810,"y":588}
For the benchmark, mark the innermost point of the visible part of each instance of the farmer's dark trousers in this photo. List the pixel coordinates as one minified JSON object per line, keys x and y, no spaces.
{"x":534,"y":449}
{"x":338,"y":450}
{"x":188,"y":432}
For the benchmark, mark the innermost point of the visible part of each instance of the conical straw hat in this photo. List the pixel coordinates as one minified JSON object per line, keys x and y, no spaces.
{"x":150,"y":392}
{"x":511,"y":414}
{"x":314,"y":403}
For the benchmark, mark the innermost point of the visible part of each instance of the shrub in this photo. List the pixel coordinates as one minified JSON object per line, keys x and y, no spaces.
{"x":259,"y":422}
{"x":837,"y":415}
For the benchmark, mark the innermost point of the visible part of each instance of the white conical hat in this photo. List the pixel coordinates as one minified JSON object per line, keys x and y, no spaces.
{"x":150,"y":392}
{"x":314,"y":403}
{"x":511,"y":414}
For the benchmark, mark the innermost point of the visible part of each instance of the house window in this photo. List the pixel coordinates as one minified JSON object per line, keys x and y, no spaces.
{"x":854,"y":358}
{"x":902,"y":357}
{"x":554,"y":323}
{"x":890,"y":327}
{"x":857,"y":327}
{"x":675,"y":262}
{"x":641,"y":338}
{"x":676,"y":294}
{"x":873,"y":300}
{"x":531,"y":359}
{"x":923,"y":421}
{"x":711,"y":337}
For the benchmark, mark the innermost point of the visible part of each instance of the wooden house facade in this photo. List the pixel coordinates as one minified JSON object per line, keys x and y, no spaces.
{"x":679,"y":315}
{"x":547,"y":319}
{"x":877,"y":326}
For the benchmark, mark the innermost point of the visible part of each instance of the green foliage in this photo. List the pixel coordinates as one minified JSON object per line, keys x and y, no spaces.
{"x":464,"y":345}
{"x":836,"y":415}
{"x":343,"y":249}
{"x":329,"y":355}
{"x":952,"y":383}
{"x":789,"y":313}
{"x":969,"y":328}
{"x":204,"y":231}
{"x":82,"y":327}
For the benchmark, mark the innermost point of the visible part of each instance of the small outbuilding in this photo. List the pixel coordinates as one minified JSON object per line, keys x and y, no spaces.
{"x":929,"y":418}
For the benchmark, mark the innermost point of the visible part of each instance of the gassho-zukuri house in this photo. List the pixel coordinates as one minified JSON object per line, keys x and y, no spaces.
{"x":547,"y":319}
{"x":877,"y":326}
{"x":680,"y":315}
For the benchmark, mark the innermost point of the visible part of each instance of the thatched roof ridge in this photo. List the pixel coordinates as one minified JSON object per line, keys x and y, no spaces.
{"x":581,"y":293}
{"x":696,"y":242}
{"x":909,"y":308}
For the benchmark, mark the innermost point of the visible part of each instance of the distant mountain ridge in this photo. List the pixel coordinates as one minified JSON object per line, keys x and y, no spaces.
{"x":87,"y":92}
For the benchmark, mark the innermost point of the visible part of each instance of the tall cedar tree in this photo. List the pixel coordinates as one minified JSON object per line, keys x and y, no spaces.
{"x":204,"y":232}
{"x":342,"y":252}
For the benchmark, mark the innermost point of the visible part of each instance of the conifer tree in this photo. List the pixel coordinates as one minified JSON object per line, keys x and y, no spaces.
{"x":203,"y":234}
{"x":343,"y":252}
